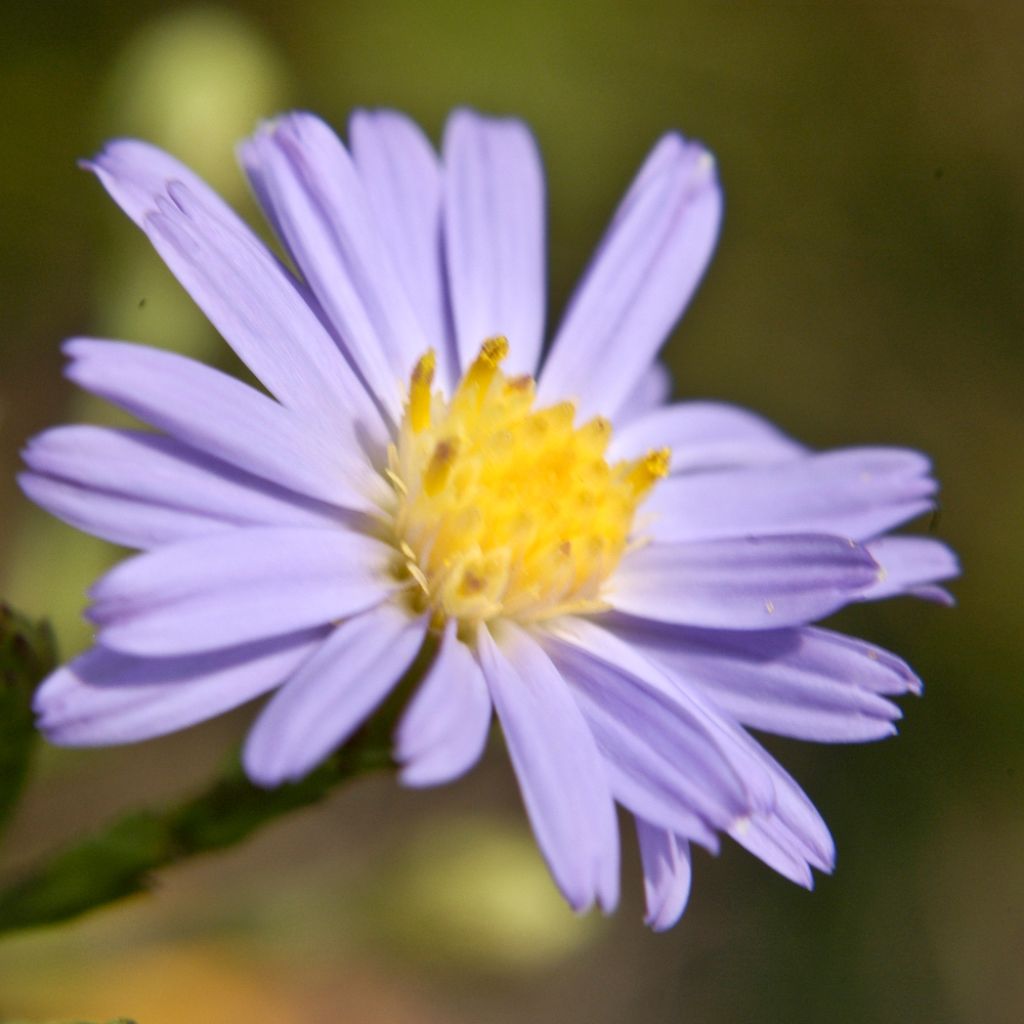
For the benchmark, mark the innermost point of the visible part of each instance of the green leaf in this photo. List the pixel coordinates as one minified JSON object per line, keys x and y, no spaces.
{"x":27,"y":654}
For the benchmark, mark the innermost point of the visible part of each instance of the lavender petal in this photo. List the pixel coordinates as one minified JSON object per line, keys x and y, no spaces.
{"x":745,"y":583}
{"x":249,"y":430}
{"x":332,"y":693}
{"x":237,"y":587}
{"x":640,"y":280}
{"x":806,"y":683}
{"x":650,"y":393}
{"x":667,"y":875}
{"x":494,"y":236}
{"x":317,"y":202}
{"x":792,"y":838}
{"x":443,"y":731}
{"x":670,"y":761}
{"x":705,"y":435}
{"x":557,"y":764}
{"x":911,"y":565}
{"x":114,"y":517}
{"x":157,"y":477}
{"x":401,"y":174}
{"x":134,"y":173}
{"x":103,"y":697}
{"x":251,"y":300}
{"x":856,"y":493}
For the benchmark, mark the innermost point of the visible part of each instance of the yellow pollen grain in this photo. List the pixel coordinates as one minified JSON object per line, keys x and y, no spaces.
{"x":506,"y":510}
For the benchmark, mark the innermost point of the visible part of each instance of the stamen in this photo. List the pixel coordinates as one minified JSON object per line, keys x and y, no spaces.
{"x":646,"y":472}
{"x":440,"y":465}
{"x":482,"y":370}
{"x":419,"y":392}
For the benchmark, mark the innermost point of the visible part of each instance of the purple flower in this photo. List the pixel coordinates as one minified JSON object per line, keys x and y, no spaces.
{"x":629,"y":584}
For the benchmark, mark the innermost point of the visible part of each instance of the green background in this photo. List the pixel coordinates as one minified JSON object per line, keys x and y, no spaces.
{"x":866,"y":289}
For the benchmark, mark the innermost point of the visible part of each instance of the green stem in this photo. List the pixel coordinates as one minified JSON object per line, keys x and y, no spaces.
{"x":120,"y":861}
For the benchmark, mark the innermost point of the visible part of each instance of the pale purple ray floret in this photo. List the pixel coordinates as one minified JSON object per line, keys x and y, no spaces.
{"x":282,"y":532}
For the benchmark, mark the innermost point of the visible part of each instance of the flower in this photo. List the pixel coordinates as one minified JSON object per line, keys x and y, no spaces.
{"x":628,"y":584}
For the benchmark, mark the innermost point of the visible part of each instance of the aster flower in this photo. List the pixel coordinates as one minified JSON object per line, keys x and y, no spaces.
{"x":628,"y":584}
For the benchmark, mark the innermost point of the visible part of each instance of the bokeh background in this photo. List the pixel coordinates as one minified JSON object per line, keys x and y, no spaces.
{"x":867,"y":288}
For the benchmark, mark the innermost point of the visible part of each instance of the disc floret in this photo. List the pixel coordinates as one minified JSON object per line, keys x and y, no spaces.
{"x":507,"y":510}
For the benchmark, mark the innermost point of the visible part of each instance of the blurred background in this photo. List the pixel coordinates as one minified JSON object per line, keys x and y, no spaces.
{"x":866,"y":290}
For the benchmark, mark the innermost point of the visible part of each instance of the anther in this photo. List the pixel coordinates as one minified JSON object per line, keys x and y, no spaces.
{"x":440,"y":465}
{"x":646,"y":472}
{"x":482,"y":370}
{"x":494,"y":350}
{"x":419,"y":392}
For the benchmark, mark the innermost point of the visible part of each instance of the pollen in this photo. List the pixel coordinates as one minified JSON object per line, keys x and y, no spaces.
{"x":503,"y":509}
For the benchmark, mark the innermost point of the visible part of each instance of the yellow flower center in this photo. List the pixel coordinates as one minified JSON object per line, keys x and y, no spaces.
{"x":504,"y":509}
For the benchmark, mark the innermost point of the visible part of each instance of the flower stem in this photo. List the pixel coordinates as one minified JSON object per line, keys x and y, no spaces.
{"x":120,"y":860}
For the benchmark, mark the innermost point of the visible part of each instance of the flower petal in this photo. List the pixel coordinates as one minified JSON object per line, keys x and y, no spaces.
{"x":705,"y":435}
{"x":237,"y":587}
{"x":156,"y":477}
{"x":910,"y":565}
{"x":643,"y":275}
{"x":557,"y":764}
{"x":767,"y":840}
{"x":443,"y":731}
{"x":249,"y":430}
{"x":745,"y":583}
{"x":332,"y":694}
{"x":792,"y":838}
{"x":789,"y":835}
{"x":807,"y":683}
{"x":494,"y":236}
{"x":134,"y":173}
{"x":402,"y":177}
{"x":114,"y":517}
{"x":670,"y":761}
{"x":651,"y":392}
{"x":318,"y":203}
{"x":251,"y":300}
{"x":103,"y":697}
{"x":667,"y":874}
{"x":857,"y":493}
